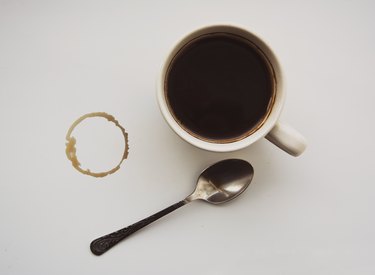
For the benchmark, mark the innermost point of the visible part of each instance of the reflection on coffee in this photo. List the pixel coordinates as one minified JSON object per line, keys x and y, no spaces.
{"x":220,"y":87}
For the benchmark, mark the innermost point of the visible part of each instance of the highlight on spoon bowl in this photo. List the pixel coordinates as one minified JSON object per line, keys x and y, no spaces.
{"x":223,"y":181}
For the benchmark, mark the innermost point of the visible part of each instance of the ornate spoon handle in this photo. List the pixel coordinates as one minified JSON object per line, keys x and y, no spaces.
{"x":103,"y":244}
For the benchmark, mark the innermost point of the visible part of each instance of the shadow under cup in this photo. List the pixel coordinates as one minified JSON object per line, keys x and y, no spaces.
{"x":220,"y":87}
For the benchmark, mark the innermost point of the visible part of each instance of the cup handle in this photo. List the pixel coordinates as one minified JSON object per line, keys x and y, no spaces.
{"x":287,"y":139}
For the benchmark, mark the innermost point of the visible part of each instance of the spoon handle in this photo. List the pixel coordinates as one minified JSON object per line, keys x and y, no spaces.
{"x":103,"y":244}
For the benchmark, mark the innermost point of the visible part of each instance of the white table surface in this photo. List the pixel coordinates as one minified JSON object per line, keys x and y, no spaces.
{"x":308,"y":215}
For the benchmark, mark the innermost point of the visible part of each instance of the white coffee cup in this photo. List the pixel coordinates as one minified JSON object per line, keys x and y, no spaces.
{"x":280,"y":134}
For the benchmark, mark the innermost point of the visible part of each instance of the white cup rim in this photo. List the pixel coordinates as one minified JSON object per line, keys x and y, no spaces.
{"x":263,"y":130}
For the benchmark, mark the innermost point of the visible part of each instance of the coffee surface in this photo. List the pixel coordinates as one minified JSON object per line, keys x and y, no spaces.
{"x":219,"y":87}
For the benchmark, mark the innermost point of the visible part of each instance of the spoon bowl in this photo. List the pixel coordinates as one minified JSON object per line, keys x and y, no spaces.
{"x":223,"y":181}
{"x":219,"y":183}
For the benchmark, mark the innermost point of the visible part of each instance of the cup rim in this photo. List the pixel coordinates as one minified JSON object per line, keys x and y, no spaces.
{"x":268,"y":124}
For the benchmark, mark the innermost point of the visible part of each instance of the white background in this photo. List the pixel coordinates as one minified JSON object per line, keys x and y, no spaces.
{"x":306,"y":215}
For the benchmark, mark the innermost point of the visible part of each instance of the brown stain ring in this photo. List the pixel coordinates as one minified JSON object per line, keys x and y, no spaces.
{"x":71,"y":150}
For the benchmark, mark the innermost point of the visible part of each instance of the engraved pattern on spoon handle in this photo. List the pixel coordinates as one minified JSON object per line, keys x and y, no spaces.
{"x":103,"y":244}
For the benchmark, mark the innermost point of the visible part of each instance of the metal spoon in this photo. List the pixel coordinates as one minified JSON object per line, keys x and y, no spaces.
{"x":219,"y":183}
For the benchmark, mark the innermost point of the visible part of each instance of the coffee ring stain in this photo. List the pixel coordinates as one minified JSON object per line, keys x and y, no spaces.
{"x":71,"y":150}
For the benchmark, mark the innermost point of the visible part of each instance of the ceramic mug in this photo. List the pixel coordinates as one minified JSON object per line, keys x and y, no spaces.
{"x":280,"y":134}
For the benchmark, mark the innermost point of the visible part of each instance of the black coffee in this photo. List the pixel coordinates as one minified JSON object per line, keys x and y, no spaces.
{"x":219,"y":87}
